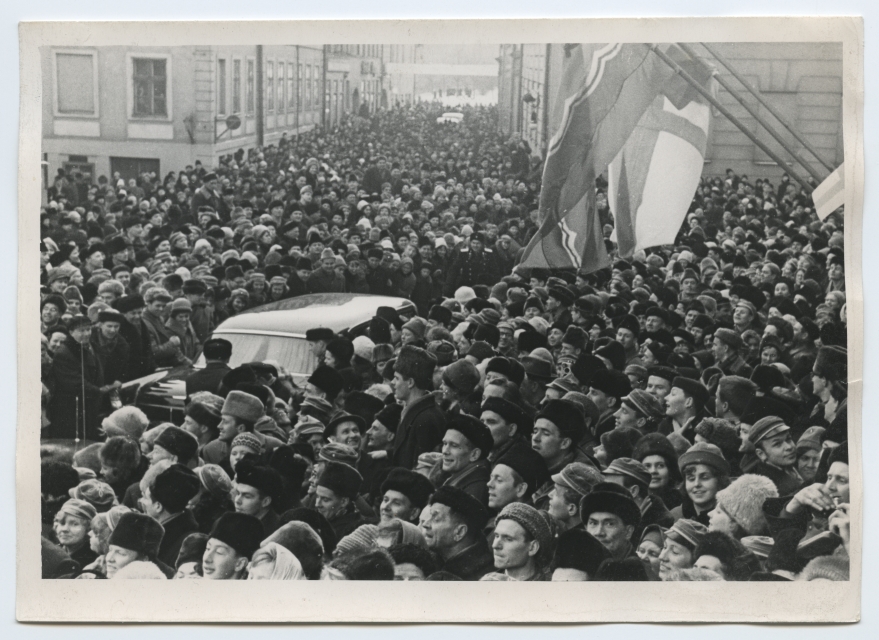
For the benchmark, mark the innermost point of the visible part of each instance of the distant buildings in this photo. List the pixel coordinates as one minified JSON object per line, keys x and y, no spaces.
{"x":801,"y":80}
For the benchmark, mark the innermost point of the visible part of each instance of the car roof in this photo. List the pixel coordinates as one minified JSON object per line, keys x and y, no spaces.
{"x":295,"y":316}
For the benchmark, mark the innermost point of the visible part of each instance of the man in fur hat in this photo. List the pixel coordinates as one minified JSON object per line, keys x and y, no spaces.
{"x":422,"y":423}
{"x":404,"y":495}
{"x":453,"y":531}
{"x":231,"y":543}
{"x":165,"y":497}
{"x":465,"y":447}
{"x":335,"y":494}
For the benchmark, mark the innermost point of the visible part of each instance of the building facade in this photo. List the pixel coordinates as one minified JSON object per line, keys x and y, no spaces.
{"x":129,"y":110}
{"x":803,"y":81}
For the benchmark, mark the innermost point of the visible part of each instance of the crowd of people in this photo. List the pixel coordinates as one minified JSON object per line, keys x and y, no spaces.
{"x":680,"y":415}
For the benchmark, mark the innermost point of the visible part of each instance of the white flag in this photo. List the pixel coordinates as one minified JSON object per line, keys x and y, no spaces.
{"x":830,"y":194}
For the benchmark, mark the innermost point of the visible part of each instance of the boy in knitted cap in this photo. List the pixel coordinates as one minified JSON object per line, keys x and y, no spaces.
{"x":524,"y":543}
{"x":243,"y":444}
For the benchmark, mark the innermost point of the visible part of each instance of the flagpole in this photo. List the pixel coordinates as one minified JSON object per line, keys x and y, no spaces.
{"x":753,"y":91}
{"x":769,"y":128}
{"x":729,"y":116}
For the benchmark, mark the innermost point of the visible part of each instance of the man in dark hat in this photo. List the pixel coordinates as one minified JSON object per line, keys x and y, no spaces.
{"x":137,"y":537}
{"x":140,"y":356}
{"x":508,"y":423}
{"x":727,"y":349}
{"x":318,"y":339}
{"x":206,"y":195}
{"x":422,"y":424}
{"x":578,"y":556}
{"x":558,"y":429}
{"x":606,"y":390}
{"x":659,"y":380}
{"x":335,"y":493}
{"x":453,"y":531}
{"x":474,"y":264}
{"x":110,"y":347}
{"x":628,"y":332}
{"x":684,"y":407}
{"x":404,"y":495}
{"x":611,"y":516}
{"x":217,"y":353}
{"x":258,"y":490}
{"x":378,"y":277}
{"x":231,"y":543}
{"x":465,"y":447}
{"x":165,"y":498}
{"x":325,"y":382}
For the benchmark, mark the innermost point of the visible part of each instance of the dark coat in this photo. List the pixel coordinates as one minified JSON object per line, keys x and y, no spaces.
{"x":115,"y":356}
{"x":421,"y":429}
{"x":472,"y":480}
{"x":140,"y":353}
{"x":380,"y":281}
{"x":176,"y":530}
{"x":165,"y":353}
{"x":473,"y":562}
{"x":75,"y":368}
{"x":207,"y":379}
{"x":322,"y":282}
{"x":346,"y":522}
{"x":470,"y":268}
{"x":786,"y":483}
{"x":271,"y":522}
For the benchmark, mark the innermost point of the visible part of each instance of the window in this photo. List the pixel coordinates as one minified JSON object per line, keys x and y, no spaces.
{"x":270,"y":86}
{"x":307,"y":87}
{"x":291,"y":97}
{"x":282,"y":102}
{"x":316,"y":88}
{"x":221,"y":86}
{"x":75,"y":84}
{"x":251,"y":106}
{"x":236,"y":86}
{"x":299,"y":89}
{"x":150,"y":87}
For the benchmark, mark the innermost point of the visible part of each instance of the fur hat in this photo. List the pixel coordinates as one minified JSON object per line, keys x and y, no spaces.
{"x":413,"y":485}
{"x":243,"y":406}
{"x":389,"y":416}
{"x":204,"y":414}
{"x":341,"y":479}
{"x":126,"y":421}
{"x":567,"y":418}
{"x":192,"y":549}
{"x":619,"y":442}
{"x":613,"y":383}
{"x":138,"y":532}
{"x":242,"y":532}
{"x":743,"y":501}
{"x":262,"y":478}
{"x":832,"y":363}
{"x":379,"y":330}
{"x":464,"y":505}
{"x":319,"y":333}
{"x":327,"y":380}
{"x":474,"y":430}
{"x":120,"y":451}
{"x":175,"y":487}
{"x":416,"y":363}
{"x":579,"y":550}
{"x":179,"y":443}
{"x":462,"y":376}
{"x":140,"y":570}
{"x":656,"y":444}
{"x":626,"y":570}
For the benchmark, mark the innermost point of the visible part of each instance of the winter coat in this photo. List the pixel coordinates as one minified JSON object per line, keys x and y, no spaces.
{"x":421,"y":429}
{"x":472,"y":480}
{"x":207,"y":379}
{"x":176,"y":530}
{"x":471,"y":268}
{"x":473,"y":562}
{"x":114,"y":356}
{"x":165,"y":353}
{"x":140,"y":351}
{"x":77,"y":376}
{"x":325,"y":282}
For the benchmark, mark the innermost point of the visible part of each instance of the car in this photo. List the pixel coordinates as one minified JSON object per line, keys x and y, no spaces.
{"x":450,"y":116}
{"x":271,"y":332}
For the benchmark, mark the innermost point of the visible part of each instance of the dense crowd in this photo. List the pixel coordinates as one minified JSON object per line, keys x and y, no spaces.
{"x":680,"y":415}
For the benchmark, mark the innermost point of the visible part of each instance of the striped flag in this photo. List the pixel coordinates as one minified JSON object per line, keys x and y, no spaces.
{"x":830,"y":194}
{"x":604,"y":91}
{"x":652,"y":180}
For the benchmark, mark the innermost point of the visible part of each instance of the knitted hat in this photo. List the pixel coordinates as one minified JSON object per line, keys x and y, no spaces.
{"x":97,"y":493}
{"x":462,"y":376}
{"x":192,"y":549}
{"x":242,"y":532}
{"x":721,"y":433}
{"x":579,"y":550}
{"x":243,"y":406}
{"x":567,"y":418}
{"x":214,"y":479}
{"x":474,"y":430}
{"x":341,"y":479}
{"x":743,"y":501}
{"x":413,"y":485}
{"x":179,"y":443}
{"x":644,"y":403}
{"x":579,"y":477}
{"x":79,"y":509}
{"x":471,"y":510}
{"x":831,"y":567}
{"x":707,"y":454}
{"x":138,"y":532}
{"x":248,"y":440}
{"x":539,"y":525}
{"x":362,"y":539}
{"x":175,"y":487}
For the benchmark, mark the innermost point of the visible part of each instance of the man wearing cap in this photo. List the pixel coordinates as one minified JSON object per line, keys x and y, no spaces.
{"x":465,"y":447}
{"x":628,"y":333}
{"x":239,"y":414}
{"x":745,"y":317}
{"x":110,"y":347}
{"x":727,"y":353}
{"x":539,"y":372}
{"x":324,"y":383}
{"x":611,"y":517}
{"x":217,"y":353}
{"x":558,"y":429}
{"x":524,"y":544}
{"x":165,"y":497}
{"x":318,"y":338}
{"x":514,"y":478}
{"x":231,"y":543}
{"x":474,"y":264}
{"x":508,"y":424}
{"x":569,"y":486}
{"x":453,"y":529}
{"x":830,"y":384}
{"x":258,"y":491}
{"x":404,"y":495}
{"x":335,"y":494}
{"x":635,"y":478}
{"x":165,"y":345}
{"x":777,"y":454}
{"x":684,"y":407}
{"x":422,"y":423}
{"x":639,"y":410}
{"x":325,"y":279}
{"x":606,"y":390}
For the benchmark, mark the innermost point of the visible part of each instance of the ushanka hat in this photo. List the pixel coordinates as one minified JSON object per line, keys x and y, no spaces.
{"x":579,"y":550}
{"x":175,"y":487}
{"x":243,"y":406}
{"x":341,"y":479}
{"x":178,"y":442}
{"x":413,"y":485}
{"x":567,"y":418}
{"x":607,"y":497}
{"x":462,"y":503}
{"x":474,"y":430}
{"x":415,"y":362}
{"x":138,"y":532}
{"x":244,"y":533}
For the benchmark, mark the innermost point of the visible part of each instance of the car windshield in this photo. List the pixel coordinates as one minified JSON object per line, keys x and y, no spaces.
{"x":293,"y":354}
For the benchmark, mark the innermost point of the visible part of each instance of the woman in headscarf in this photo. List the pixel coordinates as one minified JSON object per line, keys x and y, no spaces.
{"x":274,"y":562}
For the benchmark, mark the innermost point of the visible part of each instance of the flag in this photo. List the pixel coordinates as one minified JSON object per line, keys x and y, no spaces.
{"x":604,"y":91}
{"x":830,"y":194}
{"x":652,"y":180}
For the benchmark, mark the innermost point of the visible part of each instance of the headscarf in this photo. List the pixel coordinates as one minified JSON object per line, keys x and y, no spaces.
{"x":285,"y":566}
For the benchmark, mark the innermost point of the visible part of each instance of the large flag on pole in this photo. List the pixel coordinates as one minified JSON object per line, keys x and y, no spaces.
{"x":652,"y":180}
{"x":830,"y":194}
{"x":604,"y":91}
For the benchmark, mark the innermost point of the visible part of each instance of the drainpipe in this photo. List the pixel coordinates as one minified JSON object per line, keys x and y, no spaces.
{"x":260,"y":97}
